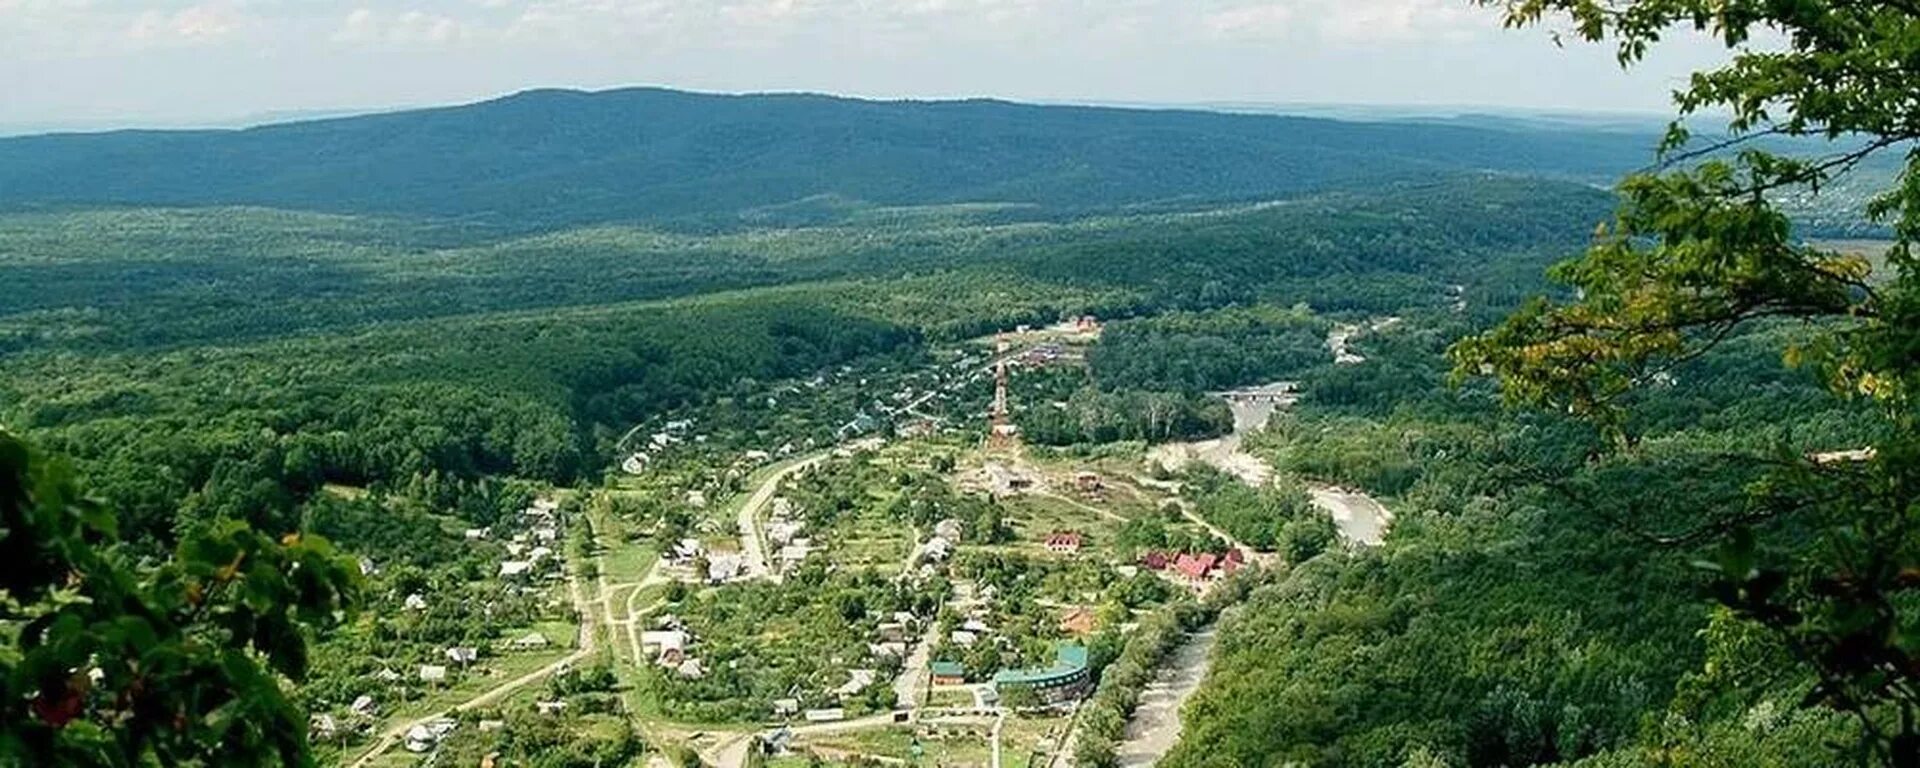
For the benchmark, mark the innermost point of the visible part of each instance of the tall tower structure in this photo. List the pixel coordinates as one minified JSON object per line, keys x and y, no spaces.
{"x":1001,"y":431}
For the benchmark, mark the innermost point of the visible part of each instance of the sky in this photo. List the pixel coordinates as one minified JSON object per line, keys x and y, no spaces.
{"x":108,"y":63}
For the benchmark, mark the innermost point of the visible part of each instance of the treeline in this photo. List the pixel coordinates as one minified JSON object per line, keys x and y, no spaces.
{"x":1092,"y":416}
{"x":250,"y":432}
{"x":1277,"y":516}
{"x":1203,"y":351}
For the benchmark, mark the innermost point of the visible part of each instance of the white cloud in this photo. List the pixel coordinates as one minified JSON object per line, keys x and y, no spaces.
{"x":1347,"y":22}
{"x":191,"y":25}
{"x":1252,"y":22}
{"x":408,"y":28}
{"x":1382,"y":21}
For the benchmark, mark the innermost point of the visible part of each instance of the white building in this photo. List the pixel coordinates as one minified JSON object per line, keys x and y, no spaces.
{"x":691,"y":669}
{"x":513,"y":568}
{"x":857,"y":681}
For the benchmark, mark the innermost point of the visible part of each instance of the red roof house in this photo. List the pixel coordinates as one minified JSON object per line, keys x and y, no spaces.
{"x":1155,"y":561}
{"x":1196,"y":567}
{"x":1064,"y":542}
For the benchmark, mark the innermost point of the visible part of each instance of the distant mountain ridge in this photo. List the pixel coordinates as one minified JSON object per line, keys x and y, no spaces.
{"x":560,"y":157}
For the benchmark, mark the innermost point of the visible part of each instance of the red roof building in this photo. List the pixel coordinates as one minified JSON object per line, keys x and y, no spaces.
{"x":1063,"y":542}
{"x":1155,"y":561}
{"x":1196,"y":567}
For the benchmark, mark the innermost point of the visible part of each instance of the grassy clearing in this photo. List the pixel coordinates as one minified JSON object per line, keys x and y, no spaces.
{"x":898,"y":742}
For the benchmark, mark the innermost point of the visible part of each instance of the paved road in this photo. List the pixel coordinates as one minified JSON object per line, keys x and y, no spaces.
{"x":1155,"y":725}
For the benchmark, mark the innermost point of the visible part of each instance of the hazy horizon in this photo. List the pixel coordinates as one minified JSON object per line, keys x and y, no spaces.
{"x":96,"y":66}
{"x":1327,"y":110}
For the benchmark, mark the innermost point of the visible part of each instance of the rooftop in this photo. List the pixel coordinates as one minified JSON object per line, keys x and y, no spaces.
{"x":1069,"y":659}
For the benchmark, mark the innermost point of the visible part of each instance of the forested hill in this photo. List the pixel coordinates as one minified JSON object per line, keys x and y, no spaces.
{"x":550,"y":158}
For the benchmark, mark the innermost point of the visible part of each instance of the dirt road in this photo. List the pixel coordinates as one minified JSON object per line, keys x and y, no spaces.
{"x":752,"y":538}
{"x":494,"y":695}
{"x":1155,"y":726}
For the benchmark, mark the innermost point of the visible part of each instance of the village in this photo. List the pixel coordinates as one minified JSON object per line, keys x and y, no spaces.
{"x":888,"y":586}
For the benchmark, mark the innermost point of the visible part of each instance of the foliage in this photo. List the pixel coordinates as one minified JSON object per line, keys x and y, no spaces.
{"x":1206,"y":351}
{"x":112,"y":662}
{"x":1256,"y":516}
{"x":1699,"y":253}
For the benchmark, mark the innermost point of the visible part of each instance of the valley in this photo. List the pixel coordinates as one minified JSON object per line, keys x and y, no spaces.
{"x":629,"y":447}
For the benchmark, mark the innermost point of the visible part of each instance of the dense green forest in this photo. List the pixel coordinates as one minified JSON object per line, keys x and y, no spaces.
{"x":277,"y":352}
{"x":544,"y":159}
{"x":1524,"y":611}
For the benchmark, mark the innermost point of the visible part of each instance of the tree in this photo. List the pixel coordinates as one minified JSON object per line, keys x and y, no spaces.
{"x":111,"y":663}
{"x":1821,"y":550}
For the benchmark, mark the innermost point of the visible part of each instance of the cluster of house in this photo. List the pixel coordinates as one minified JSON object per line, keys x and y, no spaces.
{"x":360,"y":718}
{"x":674,"y":432}
{"x":786,"y":535}
{"x":722,"y":566}
{"x":668,"y":643}
{"x":890,"y":641}
{"x":530,"y":552}
{"x":941,"y":545}
{"x":1195,"y":568}
{"x":892,"y":635}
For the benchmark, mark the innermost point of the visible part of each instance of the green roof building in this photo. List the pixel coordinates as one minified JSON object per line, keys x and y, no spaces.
{"x":947,"y":672}
{"x":1066,"y":679}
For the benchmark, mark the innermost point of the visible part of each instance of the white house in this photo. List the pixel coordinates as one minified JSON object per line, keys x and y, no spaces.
{"x":427,"y":735}
{"x":415,"y":602}
{"x":513,"y":568}
{"x":433,"y":673}
{"x":725,"y":567}
{"x":857,"y":681}
{"x":463,"y":656}
{"x":948,"y":529}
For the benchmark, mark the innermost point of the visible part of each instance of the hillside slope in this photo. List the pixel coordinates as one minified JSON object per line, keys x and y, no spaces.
{"x":547,"y":158}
